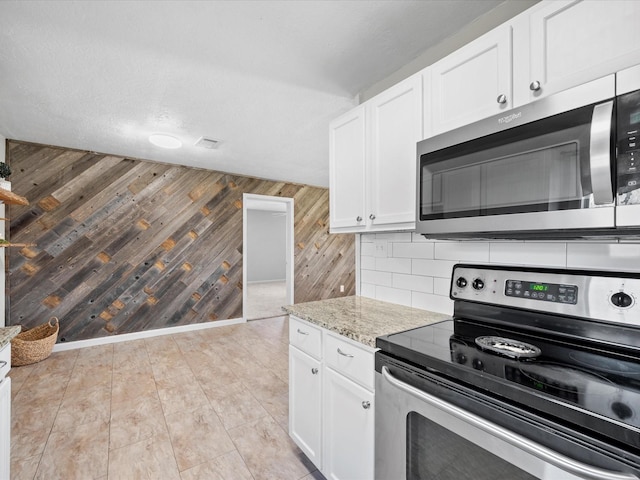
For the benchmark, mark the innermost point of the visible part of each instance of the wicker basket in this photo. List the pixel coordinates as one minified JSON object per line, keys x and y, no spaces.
{"x":34,"y":345}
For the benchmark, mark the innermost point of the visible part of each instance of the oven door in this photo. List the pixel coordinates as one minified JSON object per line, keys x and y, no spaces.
{"x":423,"y":433}
{"x":544,"y":166}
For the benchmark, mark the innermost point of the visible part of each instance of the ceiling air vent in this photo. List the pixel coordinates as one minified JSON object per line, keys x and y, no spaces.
{"x":207,"y":143}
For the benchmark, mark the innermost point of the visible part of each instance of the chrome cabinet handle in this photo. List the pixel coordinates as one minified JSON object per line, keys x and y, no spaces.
{"x":3,"y":363}
{"x":314,"y":370}
{"x":372,"y":216}
{"x":302,"y":333}
{"x":535,"y":86}
{"x":502,"y":99}
{"x":580,"y":469}
{"x":358,"y":218}
{"x":600,"y":153}
{"x":366,"y":405}
{"x":344,"y":354}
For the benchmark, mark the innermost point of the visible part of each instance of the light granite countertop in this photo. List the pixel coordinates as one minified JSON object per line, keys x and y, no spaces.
{"x":7,"y":333}
{"x":362,"y":319}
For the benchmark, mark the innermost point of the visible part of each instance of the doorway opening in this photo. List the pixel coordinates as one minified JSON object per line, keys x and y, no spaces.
{"x":267,"y":266}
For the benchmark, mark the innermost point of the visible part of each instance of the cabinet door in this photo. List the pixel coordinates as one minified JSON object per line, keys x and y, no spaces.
{"x":5,"y":427}
{"x":573,"y":42}
{"x":473,"y":82}
{"x":395,"y":128}
{"x":305,"y":396}
{"x":347,"y":154}
{"x":348,"y":428}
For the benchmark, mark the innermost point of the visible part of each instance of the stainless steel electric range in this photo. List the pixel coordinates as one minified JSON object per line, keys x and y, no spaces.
{"x":537,"y":375}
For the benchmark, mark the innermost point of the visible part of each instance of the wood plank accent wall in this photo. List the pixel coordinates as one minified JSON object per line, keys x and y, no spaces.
{"x":127,"y":245}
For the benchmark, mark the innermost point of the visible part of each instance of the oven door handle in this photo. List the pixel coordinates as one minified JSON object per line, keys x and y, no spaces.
{"x":600,"y":153}
{"x":564,"y":463}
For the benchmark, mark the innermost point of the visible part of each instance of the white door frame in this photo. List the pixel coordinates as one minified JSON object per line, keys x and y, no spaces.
{"x":276,"y":204}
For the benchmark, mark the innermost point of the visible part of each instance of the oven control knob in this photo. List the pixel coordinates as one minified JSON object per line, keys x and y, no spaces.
{"x":477,"y":364}
{"x":461,"y":282}
{"x":622,"y":410}
{"x":478,"y":284}
{"x":461,"y":358}
{"x":621,"y":300}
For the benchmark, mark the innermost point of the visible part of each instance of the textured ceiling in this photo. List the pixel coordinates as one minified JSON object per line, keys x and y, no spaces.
{"x":262,"y":77}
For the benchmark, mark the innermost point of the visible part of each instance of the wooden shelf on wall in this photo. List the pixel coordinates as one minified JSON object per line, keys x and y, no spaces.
{"x":8,"y":196}
{"x":9,"y":244}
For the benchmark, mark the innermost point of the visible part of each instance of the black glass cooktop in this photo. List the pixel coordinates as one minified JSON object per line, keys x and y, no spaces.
{"x":572,"y":379}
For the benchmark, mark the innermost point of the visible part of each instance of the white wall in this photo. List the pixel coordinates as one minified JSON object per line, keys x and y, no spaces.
{"x":407,"y":269}
{"x":266,"y":244}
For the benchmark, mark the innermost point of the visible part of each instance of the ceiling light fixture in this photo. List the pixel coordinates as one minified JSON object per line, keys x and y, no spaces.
{"x":165,"y":141}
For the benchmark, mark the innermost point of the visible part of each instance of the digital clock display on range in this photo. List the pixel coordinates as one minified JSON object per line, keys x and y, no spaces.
{"x":548,"y":292}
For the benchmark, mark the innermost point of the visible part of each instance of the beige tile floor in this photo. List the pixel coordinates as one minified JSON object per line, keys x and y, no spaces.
{"x":265,"y":299}
{"x":210,"y":404}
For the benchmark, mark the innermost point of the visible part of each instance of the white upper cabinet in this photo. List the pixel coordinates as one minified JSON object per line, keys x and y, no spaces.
{"x":347,"y":150}
{"x":560,"y":44}
{"x":395,"y":129}
{"x":472,"y":83}
{"x":373,"y":161}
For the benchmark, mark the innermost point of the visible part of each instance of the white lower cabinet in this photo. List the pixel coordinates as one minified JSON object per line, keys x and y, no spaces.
{"x":348,"y":428}
{"x":5,"y":413}
{"x":331,"y":410}
{"x":305,"y":395}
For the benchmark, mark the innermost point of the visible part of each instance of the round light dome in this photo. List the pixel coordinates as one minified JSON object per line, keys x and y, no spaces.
{"x":165,"y":141}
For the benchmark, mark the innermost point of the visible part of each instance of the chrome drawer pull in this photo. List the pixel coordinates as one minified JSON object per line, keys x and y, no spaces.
{"x":366,"y":404}
{"x":302,"y":333}
{"x":314,"y":371}
{"x":3,"y":363}
{"x":344,"y":354}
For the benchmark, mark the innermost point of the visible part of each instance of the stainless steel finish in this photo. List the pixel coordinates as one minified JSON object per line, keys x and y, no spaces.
{"x":502,"y":99}
{"x":603,"y":217}
{"x":314,"y":371}
{"x":372,"y":216}
{"x":344,"y":354}
{"x":366,"y":404}
{"x":535,"y":86}
{"x":400,"y":398}
{"x":600,"y":153}
{"x":302,"y":333}
{"x":599,"y":90}
{"x":358,"y":218}
{"x":594,"y":293}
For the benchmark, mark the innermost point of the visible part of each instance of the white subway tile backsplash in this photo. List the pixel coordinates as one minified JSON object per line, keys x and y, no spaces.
{"x":417,"y":271}
{"x":398,"y":265}
{"x":462,"y":251}
{"x":441,"y":286}
{"x":376,"y":278}
{"x":432,"y":268}
{"x":413,"y":250}
{"x":604,"y":256}
{"x":393,"y":295}
{"x":394,"y":236}
{"x":368,"y":249}
{"x":434,"y":303}
{"x":368,"y":290}
{"x":367,"y":262}
{"x":415,"y":283}
{"x":529,"y":253}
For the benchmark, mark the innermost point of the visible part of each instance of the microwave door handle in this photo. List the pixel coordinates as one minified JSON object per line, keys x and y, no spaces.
{"x":600,"y":153}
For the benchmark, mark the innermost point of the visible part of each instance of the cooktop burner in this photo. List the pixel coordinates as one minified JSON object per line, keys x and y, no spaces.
{"x":508,"y":347}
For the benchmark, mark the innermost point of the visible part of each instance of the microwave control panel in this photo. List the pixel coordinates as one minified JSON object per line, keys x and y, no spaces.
{"x":628,"y":148}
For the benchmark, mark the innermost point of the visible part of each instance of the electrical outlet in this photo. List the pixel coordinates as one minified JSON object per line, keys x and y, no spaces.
{"x":341,"y":288}
{"x":380,"y":248}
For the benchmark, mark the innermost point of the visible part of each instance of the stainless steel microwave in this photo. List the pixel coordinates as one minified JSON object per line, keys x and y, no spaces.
{"x":565,"y":166}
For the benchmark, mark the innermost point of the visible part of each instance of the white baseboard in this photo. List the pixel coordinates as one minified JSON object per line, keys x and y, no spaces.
{"x":125,"y":337}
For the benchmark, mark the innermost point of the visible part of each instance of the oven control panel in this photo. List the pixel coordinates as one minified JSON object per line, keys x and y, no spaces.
{"x":542,"y":291}
{"x":604,"y":296}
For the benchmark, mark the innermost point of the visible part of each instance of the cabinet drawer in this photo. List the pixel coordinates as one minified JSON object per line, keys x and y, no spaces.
{"x":305,"y":336}
{"x":350,"y":359}
{"x":5,"y":356}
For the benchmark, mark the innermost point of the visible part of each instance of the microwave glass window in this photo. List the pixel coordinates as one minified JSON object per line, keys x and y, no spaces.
{"x":517,"y":174}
